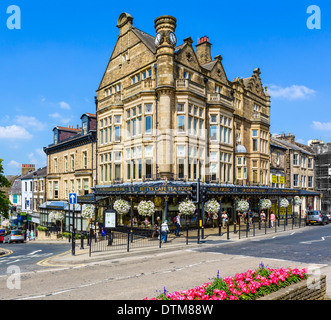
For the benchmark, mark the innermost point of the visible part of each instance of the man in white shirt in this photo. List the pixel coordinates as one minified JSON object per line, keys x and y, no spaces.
{"x":164,"y":231}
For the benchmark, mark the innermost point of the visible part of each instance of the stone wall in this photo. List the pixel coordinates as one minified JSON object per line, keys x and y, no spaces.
{"x":310,"y":289}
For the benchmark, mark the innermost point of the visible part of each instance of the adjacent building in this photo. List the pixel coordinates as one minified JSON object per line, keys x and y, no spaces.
{"x":71,"y":161}
{"x":322,"y":153}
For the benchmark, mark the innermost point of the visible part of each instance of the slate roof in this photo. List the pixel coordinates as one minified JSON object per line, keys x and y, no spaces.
{"x":289,"y":145}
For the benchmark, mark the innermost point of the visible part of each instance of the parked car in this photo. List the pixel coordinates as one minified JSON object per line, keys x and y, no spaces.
{"x":14,"y":236}
{"x":329,"y":216}
{"x":315,"y":216}
{"x":2,"y":234}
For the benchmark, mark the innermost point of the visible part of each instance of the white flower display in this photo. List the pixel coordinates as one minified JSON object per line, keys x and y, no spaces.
{"x":186,"y":207}
{"x":146,"y":208}
{"x":56,"y":216}
{"x":265,"y":204}
{"x":212,"y":206}
{"x":297,"y":201}
{"x":283,"y":203}
{"x":88,"y":212}
{"x":121,"y":206}
{"x":242,"y":205}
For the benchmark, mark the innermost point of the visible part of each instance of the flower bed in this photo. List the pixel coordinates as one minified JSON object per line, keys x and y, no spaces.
{"x":249,"y":285}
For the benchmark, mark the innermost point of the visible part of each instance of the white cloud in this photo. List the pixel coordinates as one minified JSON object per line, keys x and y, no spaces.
{"x":60,"y":118}
{"x":64,"y":105}
{"x":30,"y":122}
{"x":14,"y":132}
{"x":324,"y":126}
{"x":301,"y":141}
{"x":38,"y":157}
{"x":14,"y":164}
{"x":293,"y":92}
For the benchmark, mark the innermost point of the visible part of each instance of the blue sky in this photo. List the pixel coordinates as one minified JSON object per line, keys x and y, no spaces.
{"x":51,"y":67}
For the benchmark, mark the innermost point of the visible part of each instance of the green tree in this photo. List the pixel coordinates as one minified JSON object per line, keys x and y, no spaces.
{"x":4,"y":201}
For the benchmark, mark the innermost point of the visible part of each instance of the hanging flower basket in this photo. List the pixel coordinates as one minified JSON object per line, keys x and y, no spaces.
{"x":121,"y":206}
{"x":88,"y":212}
{"x":186,"y":207}
{"x":297,"y":201}
{"x":146,"y":208}
{"x":212,"y":206}
{"x":265,"y":204}
{"x":242,"y":205}
{"x":56,"y":216}
{"x":283,"y":203}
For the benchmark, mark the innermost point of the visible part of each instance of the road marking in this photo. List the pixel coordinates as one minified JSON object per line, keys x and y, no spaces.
{"x":45,"y":262}
{"x":311,"y":241}
{"x":8,"y":252}
{"x":32,"y":253}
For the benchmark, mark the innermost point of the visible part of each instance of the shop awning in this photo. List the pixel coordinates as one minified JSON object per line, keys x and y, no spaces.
{"x":59,"y":205}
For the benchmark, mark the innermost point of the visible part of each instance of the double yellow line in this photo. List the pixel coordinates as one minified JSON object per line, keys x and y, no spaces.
{"x":45,"y":262}
{"x":8,"y":252}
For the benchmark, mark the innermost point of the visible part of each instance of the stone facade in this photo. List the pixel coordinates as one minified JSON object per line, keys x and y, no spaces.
{"x":277,"y":164}
{"x":71,"y":159}
{"x":299,"y":163}
{"x":169,"y":111}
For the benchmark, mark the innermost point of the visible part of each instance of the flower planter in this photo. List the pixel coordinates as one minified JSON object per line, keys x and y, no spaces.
{"x":261,"y":284}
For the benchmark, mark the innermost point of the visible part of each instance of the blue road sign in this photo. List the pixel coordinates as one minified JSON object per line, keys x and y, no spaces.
{"x":72,"y":198}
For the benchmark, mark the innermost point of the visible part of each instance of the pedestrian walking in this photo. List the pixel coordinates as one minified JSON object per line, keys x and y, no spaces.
{"x":250,"y":217}
{"x":32,"y":235}
{"x":178,"y":225}
{"x":164,"y":231}
{"x":27,"y":235}
{"x":215,"y":220}
{"x":262,"y":216}
{"x":225,"y":219}
{"x":272,"y":218}
{"x":156,"y":230}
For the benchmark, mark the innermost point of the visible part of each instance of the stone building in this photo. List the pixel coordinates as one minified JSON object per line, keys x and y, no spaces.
{"x":322,"y":152}
{"x":299,"y":167}
{"x":169,"y":111}
{"x":70,"y":165}
{"x":277,"y":164}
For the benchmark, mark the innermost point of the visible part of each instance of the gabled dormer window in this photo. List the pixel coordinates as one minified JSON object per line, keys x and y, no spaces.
{"x":56,"y":136}
{"x":84,"y":127}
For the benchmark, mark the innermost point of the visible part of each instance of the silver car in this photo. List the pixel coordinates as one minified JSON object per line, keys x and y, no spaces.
{"x":14,"y":236}
{"x":316,"y":217}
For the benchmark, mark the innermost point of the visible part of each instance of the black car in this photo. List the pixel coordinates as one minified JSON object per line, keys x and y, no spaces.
{"x":316,"y":217}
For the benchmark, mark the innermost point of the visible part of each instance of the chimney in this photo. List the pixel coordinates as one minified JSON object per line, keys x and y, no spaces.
{"x":203,"y":49}
{"x":27,"y":168}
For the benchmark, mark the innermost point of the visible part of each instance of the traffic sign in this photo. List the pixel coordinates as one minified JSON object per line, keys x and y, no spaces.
{"x":72,"y":198}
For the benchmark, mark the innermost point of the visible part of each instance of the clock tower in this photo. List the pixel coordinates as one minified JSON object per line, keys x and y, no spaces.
{"x":165,"y":42}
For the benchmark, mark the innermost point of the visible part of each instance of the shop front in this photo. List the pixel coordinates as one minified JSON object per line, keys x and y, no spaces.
{"x":167,"y":195}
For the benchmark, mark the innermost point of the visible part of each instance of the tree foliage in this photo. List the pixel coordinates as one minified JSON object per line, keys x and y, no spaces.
{"x":4,"y":201}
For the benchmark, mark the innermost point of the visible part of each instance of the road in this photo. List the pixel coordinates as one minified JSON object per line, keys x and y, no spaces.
{"x":26,"y":256}
{"x":308,"y":245}
{"x":137,"y":277}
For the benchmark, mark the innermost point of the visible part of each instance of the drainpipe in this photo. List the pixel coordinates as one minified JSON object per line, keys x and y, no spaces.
{"x":156,"y":124}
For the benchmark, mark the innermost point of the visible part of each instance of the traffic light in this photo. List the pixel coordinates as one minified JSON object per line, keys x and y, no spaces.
{"x":203,"y":195}
{"x":195,"y":192}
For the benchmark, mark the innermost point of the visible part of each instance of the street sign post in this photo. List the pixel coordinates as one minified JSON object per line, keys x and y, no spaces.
{"x":73,"y":201}
{"x":72,"y":198}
